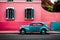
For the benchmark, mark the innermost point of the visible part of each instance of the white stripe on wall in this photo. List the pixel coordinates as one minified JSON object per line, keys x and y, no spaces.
{"x":20,"y":1}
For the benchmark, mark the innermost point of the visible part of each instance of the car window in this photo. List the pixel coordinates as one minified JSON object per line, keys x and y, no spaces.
{"x":33,"y":24}
{"x":40,"y":24}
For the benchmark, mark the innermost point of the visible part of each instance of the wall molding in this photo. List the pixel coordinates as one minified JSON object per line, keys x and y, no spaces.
{"x":24,"y":1}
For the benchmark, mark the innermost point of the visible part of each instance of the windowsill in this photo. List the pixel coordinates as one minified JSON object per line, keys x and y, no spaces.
{"x":29,"y":19}
{"x":10,"y":19}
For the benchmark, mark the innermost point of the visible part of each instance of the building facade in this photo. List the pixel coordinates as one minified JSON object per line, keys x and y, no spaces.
{"x":18,"y":12}
{"x":14,"y":13}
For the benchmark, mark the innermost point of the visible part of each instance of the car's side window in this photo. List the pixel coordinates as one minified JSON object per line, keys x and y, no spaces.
{"x":33,"y":24}
{"x":39,"y":24}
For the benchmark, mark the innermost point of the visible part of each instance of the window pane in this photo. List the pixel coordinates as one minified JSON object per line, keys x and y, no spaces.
{"x":28,"y":13}
{"x":39,"y":24}
{"x":33,"y":24}
{"x":10,"y":13}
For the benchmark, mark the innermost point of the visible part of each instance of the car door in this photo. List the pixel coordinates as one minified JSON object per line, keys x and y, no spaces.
{"x":39,"y":25}
{"x":33,"y":27}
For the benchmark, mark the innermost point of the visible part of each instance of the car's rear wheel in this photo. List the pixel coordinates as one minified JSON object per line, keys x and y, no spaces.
{"x":22,"y":31}
{"x":43,"y":31}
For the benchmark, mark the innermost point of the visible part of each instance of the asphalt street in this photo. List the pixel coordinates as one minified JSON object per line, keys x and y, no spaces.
{"x":29,"y":37}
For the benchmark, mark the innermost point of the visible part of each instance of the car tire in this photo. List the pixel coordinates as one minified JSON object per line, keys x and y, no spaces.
{"x":43,"y":31}
{"x":22,"y":31}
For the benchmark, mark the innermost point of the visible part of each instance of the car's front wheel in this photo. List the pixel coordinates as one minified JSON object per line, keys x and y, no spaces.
{"x":22,"y":31}
{"x":43,"y":31}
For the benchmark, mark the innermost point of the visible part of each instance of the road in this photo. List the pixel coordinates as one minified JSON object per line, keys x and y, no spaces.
{"x":29,"y":37}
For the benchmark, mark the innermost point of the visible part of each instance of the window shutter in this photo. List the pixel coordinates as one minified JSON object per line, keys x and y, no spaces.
{"x":9,"y":0}
{"x":7,"y":13}
{"x":25,"y":13}
{"x":32,"y":14}
{"x":28,"y":0}
{"x":12,"y":13}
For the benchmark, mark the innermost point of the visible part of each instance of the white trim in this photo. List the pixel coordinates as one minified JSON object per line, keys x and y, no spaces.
{"x":10,"y":7}
{"x":12,"y":18}
{"x":7,"y":18}
{"x":19,"y":1}
{"x":29,"y":7}
{"x":32,"y":18}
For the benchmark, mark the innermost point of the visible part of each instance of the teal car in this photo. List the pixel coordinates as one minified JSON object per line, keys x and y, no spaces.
{"x":34,"y":27}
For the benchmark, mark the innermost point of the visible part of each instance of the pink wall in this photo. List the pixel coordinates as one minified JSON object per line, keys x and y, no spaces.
{"x":49,"y":17}
{"x":19,"y":11}
{"x":19,"y":14}
{"x":39,"y":15}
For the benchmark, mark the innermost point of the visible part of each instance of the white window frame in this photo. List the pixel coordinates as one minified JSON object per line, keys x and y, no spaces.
{"x":11,"y":8}
{"x":29,"y":8}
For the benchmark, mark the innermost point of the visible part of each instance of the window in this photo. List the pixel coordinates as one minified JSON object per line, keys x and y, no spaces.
{"x":28,"y":0}
{"x":33,"y":24}
{"x":9,"y":0}
{"x":29,"y":13}
{"x":40,"y":24}
{"x":10,"y":13}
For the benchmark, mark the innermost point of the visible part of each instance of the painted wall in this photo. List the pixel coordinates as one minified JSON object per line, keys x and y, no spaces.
{"x":19,"y":8}
{"x":49,"y":17}
{"x":39,"y":15}
{"x":19,"y":11}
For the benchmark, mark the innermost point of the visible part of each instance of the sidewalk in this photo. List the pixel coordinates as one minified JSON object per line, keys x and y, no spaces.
{"x":9,"y":31}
